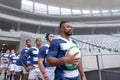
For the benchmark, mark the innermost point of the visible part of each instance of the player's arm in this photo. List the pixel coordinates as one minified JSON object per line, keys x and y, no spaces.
{"x":1,"y":58}
{"x":22,"y":59}
{"x":68,"y":59}
{"x":80,"y":68}
{"x":9,"y":59}
{"x":53,"y":52}
{"x":41,"y":56}
{"x":42,"y":68}
{"x":25,"y":57}
{"x":40,"y":64}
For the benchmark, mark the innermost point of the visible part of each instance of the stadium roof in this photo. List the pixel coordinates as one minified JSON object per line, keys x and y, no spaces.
{"x":83,"y":4}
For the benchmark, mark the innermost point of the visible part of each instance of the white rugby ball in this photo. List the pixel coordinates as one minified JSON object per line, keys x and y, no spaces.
{"x":72,"y":50}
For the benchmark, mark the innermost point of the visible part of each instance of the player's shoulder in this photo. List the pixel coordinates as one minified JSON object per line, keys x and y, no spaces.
{"x":24,"y":49}
{"x":45,"y":46}
{"x":74,"y":41}
{"x":2,"y":54}
{"x":32,"y":48}
{"x":58,"y":40}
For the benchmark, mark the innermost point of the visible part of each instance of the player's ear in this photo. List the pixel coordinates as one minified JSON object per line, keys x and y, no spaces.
{"x":62,"y":29}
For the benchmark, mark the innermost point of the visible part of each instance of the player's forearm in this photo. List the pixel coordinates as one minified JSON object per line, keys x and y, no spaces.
{"x":8,"y":63}
{"x":52,"y":61}
{"x":80,"y":68}
{"x":41,"y":66}
{"x":1,"y":61}
{"x":23,"y":60}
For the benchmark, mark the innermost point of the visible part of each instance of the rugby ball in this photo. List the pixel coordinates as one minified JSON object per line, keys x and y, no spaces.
{"x":72,"y":50}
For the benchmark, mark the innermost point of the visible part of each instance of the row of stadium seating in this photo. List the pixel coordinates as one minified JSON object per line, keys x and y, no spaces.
{"x":87,"y":43}
{"x":99,"y":43}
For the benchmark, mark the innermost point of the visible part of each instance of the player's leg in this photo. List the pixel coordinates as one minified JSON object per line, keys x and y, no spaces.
{"x":13,"y":73}
{"x":1,"y":69}
{"x":17,"y":74}
{"x":39,"y":74}
{"x":32,"y":75}
{"x":50,"y":73}
{"x":8,"y":74}
{"x":12,"y":69}
{"x":25,"y":74}
{"x":5,"y":74}
{"x":6,"y":71}
{"x":18,"y":71}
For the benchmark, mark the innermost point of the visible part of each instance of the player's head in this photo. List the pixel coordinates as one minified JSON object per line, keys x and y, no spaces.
{"x":65,"y":28}
{"x":38,"y":41}
{"x":49,"y":36}
{"x":12,"y":51}
{"x":17,"y":52}
{"x":28,"y":43}
{"x":7,"y":51}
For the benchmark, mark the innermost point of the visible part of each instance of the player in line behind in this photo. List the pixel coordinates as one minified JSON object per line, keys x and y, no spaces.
{"x":47,"y":71}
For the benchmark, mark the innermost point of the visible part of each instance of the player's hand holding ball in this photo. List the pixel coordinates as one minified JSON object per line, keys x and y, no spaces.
{"x":72,"y":57}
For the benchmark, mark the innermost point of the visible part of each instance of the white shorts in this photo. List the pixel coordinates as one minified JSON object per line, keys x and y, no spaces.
{"x":4,"y":65}
{"x":18,"y":68}
{"x":12,"y":67}
{"x":50,"y":72}
{"x":24,"y":71}
{"x":33,"y":74}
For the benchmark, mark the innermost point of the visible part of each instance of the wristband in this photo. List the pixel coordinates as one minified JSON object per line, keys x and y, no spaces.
{"x":46,"y":77}
{"x":43,"y":72}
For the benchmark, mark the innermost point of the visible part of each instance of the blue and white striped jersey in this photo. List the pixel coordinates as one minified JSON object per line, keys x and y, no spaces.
{"x":23,"y":52}
{"x":5,"y":57}
{"x":33,"y":53}
{"x":13,"y":58}
{"x":58,"y":49}
{"x":43,"y":54}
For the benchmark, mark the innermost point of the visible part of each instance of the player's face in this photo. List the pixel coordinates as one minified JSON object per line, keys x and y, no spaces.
{"x":12,"y":51}
{"x":29,"y":43}
{"x":67,"y":29}
{"x":7,"y":51}
{"x":51,"y":37}
{"x":17,"y":53}
{"x":39,"y":42}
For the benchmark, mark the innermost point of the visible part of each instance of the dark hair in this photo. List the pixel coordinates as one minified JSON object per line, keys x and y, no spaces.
{"x":37,"y":39}
{"x":47,"y":35}
{"x":27,"y":40}
{"x":62,"y":22}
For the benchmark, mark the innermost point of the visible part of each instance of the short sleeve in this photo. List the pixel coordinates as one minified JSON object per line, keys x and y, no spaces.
{"x":42,"y":52}
{"x":25,"y":56}
{"x":53,"y":49}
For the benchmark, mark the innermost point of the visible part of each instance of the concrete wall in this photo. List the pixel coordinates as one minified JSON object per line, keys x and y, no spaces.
{"x":105,"y":61}
{"x":12,"y":3}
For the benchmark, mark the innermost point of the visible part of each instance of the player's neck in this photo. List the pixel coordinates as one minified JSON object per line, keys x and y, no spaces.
{"x":48,"y":42}
{"x":29,"y":46}
{"x":38,"y":46}
{"x":66,"y":37}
